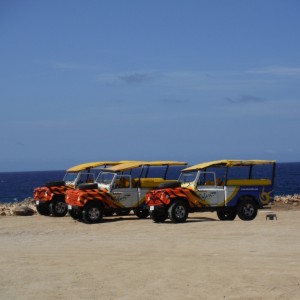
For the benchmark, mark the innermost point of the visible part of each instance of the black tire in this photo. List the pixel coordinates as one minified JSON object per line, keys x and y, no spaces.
{"x":178,"y":212}
{"x":87,"y":186}
{"x":75,"y":214}
{"x":108,"y":212}
{"x":159,"y":216}
{"x":58,"y":208}
{"x":169,"y":185}
{"x":141,"y":213}
{"x":226,"y":215}
{"x":247,"y":209}
{"x":55,"y":183}
{"x":92,"y":213}
{"x":123,"y":212}
{"x":43,"y":209}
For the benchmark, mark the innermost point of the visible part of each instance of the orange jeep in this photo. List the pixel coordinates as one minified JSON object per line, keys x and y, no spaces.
{"x":228,"y":187}
{"x":50,"y":199}
{"x":119,"y":189}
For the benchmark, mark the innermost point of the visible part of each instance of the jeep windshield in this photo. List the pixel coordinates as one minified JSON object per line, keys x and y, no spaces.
{"x":105,"y":178}
{"x":70,"y":177}
{"x":187,"y":177}
{"x":75,"y":178}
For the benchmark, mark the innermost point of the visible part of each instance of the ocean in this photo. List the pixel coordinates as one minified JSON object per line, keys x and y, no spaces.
{"x":16,"y":186}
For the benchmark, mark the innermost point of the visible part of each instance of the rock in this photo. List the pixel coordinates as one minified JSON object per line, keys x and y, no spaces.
{"x":23,"y":211}
{"x":8,"y":212}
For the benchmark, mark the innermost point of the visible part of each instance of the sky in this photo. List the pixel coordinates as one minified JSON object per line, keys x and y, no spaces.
{"x":193,"y":80}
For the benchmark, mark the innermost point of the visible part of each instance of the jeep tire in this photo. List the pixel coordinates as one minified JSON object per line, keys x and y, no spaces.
{"x":108,"y":212}
{"x":178,"y":212}
{"x":226,"y":215}
{"x":55,"y":183}
{"x":141,"y":213}
{"x":169,"y":185}
{"x":43,"y":209}
{"x":159,"y":216}
{"x":58,"y":208}
{"x":75,"y":214}
{"x":87,"y":186}
{"x":92,"y":213}
{"x":247,"y":209}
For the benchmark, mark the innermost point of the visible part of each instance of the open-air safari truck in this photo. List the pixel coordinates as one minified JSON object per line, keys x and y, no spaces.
{"x":50,"y":199}
{"x":229,"y":187}
{"x":120,"y":189}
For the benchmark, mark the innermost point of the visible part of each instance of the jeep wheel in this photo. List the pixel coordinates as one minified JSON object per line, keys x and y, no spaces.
{"x":169,"y":185}
{"x":92,"y":213}
{"x":87,"y":186}
{"x":141,"y":213}
{"x":58,"y":208}
{"x":178,"y":212}
{"x":226,"y":215}
{"x":55,"y":183}
{"x":75,"y":214}
{"x":159,"y":216}
{"x":247,"y":209}
{"x":43,"y":209}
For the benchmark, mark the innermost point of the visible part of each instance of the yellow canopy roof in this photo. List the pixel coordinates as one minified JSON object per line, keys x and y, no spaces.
{"x":135,"y":164}
{"x":89,"y":165}
{"x":166,"y":162}
{"x":228,"y":163}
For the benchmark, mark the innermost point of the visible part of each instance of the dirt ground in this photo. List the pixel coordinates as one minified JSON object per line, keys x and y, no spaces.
{"x":128,"y":258}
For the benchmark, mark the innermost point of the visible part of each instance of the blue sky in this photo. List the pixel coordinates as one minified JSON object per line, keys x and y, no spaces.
{"x":153,"y":80}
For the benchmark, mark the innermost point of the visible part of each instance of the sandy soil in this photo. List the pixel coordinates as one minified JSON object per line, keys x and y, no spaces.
{"x":127,"y":258}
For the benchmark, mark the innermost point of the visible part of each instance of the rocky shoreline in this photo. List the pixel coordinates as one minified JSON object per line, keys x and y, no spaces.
{"x":27,"y":206}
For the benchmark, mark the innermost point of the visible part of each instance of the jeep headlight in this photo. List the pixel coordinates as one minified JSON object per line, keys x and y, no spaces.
{"x":163,"y":196}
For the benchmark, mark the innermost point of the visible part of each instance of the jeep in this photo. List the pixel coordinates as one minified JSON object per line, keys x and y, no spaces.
{"x":50,"y":199}
{"x":228,"y":187}
{"x":120,"y":189}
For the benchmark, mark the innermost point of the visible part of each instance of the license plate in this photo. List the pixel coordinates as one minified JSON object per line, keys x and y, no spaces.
{"x":37,"y":202}
{"x":69,"y":206}
{"x":151,"y":207}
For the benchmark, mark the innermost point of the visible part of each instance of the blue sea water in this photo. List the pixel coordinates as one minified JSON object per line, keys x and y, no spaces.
{"x":16,"y":186}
